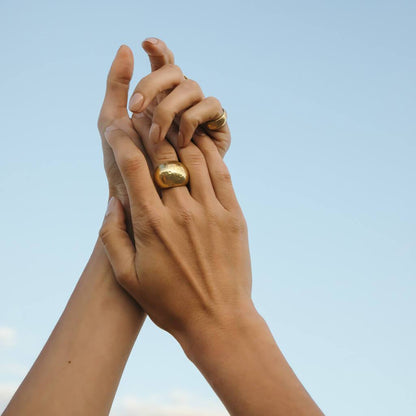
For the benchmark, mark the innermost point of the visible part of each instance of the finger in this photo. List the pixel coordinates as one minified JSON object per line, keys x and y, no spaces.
{"x":116,"y":94}
{"x":208,"y":109}
{"x":185,"y":95}
{"x":117,"y":244}
{"x":159,"y":153}
{"x":199,"y":179}
{"x":164,"y":78}
{"x":135,"y":172}
{"x":218,"y":171}
{"x":159,"y":54}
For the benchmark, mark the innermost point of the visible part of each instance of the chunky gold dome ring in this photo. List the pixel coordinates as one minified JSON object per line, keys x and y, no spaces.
{"x":171,"y":174}
{"x":217,"y":123}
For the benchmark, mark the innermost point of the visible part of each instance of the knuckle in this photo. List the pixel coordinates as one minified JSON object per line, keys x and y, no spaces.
{"x":105,"y":232}
{"x":118,"y":82}
{"x":105,"y":118}
{"x":192,"y":85}
{"x":163,"y":112}
{"x":193,"y":156}
{"x":214,"y":102}
{"x":166,"y":154}
{"x":148,"y":226}
{"x":131,"y":164}
{"x":154,"y":220}
{"x":224,"y":176}
{"x":189,"y":119}
{"x":237,"y":224}
{"x":185,"y":216}
{"x":173,"y":68}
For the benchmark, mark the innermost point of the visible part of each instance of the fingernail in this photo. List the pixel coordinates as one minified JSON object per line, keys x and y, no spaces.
{"x":154,"y":133}
{"x":151,"y":40}
{"x":110,"y":206}
{"x":136,"y":102}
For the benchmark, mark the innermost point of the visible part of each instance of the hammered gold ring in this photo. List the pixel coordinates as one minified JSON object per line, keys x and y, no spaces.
{"x":217,"y":123}
{"x":171,"y":174}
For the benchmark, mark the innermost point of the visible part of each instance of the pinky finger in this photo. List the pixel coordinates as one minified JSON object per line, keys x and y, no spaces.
{"x":117,"y":244}
{"x":218,"y":172}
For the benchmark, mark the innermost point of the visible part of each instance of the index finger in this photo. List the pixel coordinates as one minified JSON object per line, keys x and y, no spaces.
{"x":118,"y":82}
{"x":133,"y":167}
{"x":159,"y":54}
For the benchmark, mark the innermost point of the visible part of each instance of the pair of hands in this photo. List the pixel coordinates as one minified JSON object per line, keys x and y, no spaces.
{"x":189,"y":266}
{"x":153,"y":88}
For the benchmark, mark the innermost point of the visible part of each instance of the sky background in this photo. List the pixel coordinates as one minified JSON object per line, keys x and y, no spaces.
{"x":321,"y":98}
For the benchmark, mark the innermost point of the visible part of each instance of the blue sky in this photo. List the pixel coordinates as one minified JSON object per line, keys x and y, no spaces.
{"x":321,"y":103}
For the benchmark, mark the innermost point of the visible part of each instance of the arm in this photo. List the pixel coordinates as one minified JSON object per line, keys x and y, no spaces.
{"x":241,"y":360}
{"x":195,"y":241}
{"x":79,"y":368}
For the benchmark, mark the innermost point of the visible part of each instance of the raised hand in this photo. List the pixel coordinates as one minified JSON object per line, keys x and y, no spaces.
{"x":190,"y":271}
{"x":114,"y":107}
{"x":190,"y":263}
{"x":177,"y":108}
{"x":158,"y":104}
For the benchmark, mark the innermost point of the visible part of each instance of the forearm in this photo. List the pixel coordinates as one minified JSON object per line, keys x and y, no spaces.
{"x":241,"y":360}
{"x":79,"y":368}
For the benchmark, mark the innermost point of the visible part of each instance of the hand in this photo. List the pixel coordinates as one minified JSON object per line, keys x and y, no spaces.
{"x":190,"y":265}
{"x":177,"y":108}
{"x":114,"y":108}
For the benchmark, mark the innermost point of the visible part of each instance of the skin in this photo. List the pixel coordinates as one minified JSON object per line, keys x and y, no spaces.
{"x":195,"y":241}
{"x":78,"y":370}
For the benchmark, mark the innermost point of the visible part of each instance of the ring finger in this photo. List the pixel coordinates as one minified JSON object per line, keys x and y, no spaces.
{"x":206,"y":110}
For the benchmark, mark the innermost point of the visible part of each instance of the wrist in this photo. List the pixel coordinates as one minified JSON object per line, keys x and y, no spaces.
{"x":215,"y":335}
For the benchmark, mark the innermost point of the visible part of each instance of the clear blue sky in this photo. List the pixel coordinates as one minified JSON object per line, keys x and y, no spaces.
{"x":321,"y":101}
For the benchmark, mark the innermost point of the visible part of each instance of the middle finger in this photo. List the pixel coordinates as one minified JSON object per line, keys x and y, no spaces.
{"x":160,"y":153}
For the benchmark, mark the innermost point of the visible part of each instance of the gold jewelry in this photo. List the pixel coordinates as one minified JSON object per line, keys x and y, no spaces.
{"x":218,"y":123}
{"x":171,"y":174}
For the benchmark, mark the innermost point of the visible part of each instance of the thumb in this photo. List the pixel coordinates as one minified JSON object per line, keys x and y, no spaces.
{"x":118,"y":246}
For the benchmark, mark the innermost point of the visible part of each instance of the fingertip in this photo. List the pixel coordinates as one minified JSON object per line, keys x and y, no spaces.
{"x":124,"y":51}
{"x":152,"y":46}
{"x":122,"y":67}
{"x":136,"y":102}
{"x":155,"y":47}
{"x":151,"y":41}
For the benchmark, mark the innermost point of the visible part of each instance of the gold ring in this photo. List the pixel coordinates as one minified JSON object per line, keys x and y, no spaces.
{"x":218,"y":123}
{"x":171,"y":174}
